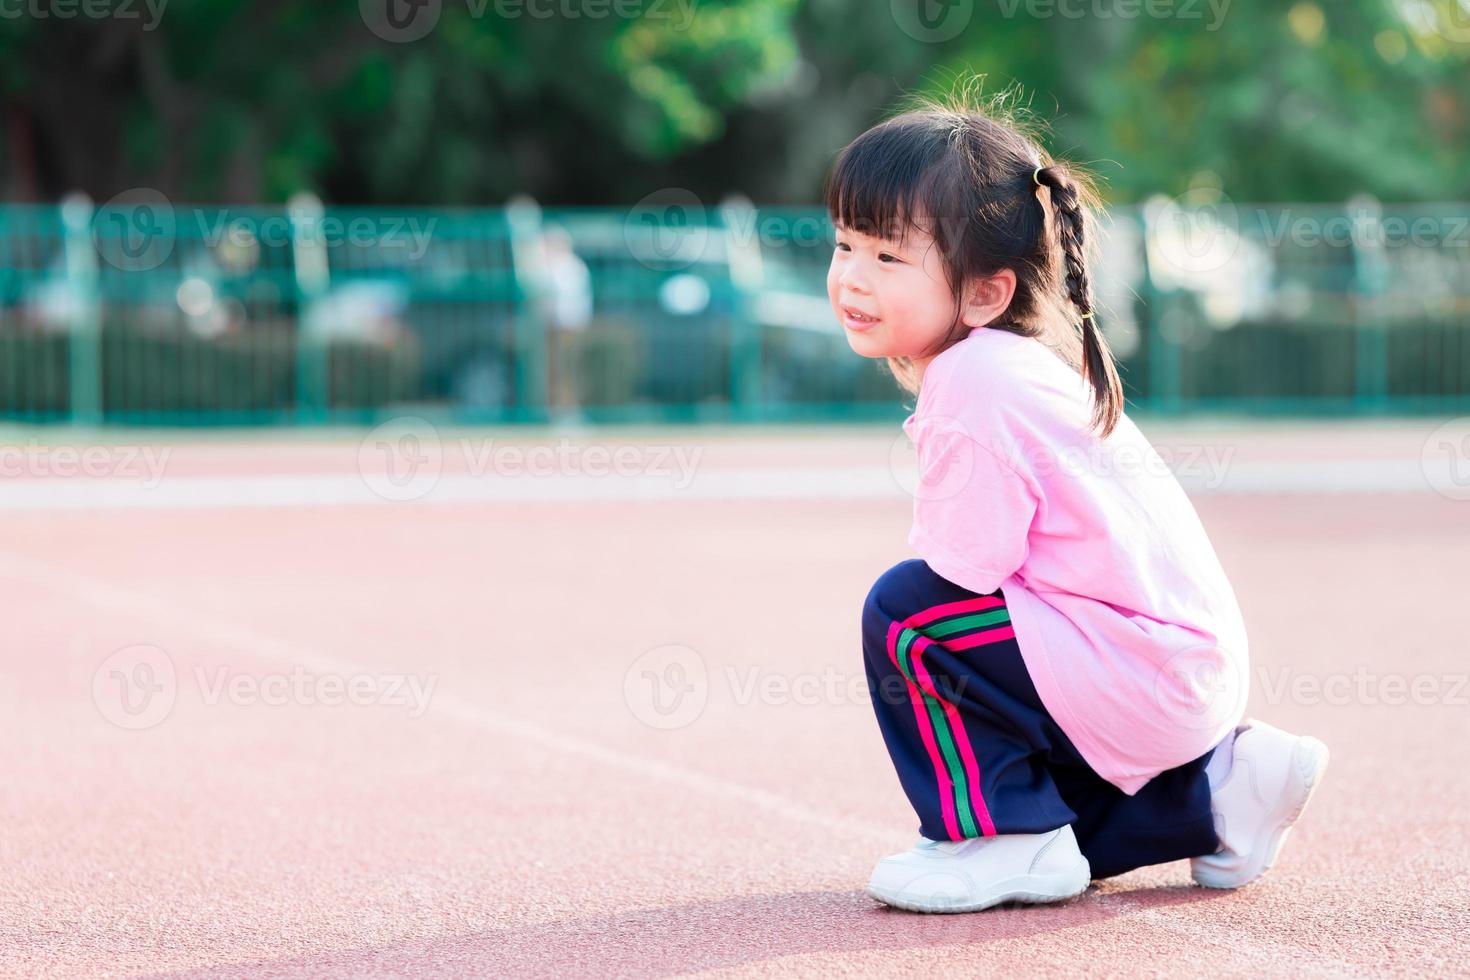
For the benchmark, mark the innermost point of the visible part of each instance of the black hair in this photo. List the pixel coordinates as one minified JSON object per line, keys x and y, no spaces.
{"x":961,"y":170}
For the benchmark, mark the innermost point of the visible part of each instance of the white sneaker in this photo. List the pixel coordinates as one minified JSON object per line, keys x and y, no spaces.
{"x":976,"y":873}
{"x":1272,"y":775}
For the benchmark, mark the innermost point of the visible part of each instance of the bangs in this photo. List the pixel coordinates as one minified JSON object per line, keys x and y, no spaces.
{"x":887,"y":182}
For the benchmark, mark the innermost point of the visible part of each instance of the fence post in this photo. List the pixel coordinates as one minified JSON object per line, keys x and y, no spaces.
{"x":743,"y":255}
{"x":84,"y":347}
{"x":312,"y":271}
{"x":1164,"y":354}
{"x":523,"y":217}
{"x":1370,"y":338}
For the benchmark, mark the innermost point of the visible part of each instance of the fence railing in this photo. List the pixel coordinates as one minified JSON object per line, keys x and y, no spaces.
{"x":143,"y":311}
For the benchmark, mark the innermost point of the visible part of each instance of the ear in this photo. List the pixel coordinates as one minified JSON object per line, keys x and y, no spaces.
{"x":986,"y":299}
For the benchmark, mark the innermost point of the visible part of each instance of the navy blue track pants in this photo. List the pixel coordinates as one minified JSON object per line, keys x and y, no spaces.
{"x":976,"y":752}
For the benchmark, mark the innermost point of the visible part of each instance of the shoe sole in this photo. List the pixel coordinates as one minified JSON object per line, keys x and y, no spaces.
{"x":1309,"y":759}
{"x":1027,"y":889}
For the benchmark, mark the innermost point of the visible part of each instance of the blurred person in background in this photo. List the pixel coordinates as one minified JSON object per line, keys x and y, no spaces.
{"x":568,"y":311}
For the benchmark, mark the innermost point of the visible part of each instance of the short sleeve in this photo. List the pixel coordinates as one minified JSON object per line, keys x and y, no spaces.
{"x":972,"y":510}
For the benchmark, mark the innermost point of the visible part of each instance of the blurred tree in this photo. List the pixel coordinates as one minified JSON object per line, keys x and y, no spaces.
{"x":245,"y":101}
{"x":1300,"y":102}
{"x":241,"y":101}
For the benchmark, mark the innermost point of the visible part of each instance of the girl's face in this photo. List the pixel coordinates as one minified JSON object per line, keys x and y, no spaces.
{"x":901,"y":287}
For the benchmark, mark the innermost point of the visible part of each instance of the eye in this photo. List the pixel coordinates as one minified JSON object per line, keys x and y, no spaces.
{"x":843,"y":245}
{"x":886,"y":255}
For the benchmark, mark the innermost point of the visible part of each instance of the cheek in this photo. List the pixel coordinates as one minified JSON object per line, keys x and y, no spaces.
{"x":934,"y":297}
{"x":905,"y":301}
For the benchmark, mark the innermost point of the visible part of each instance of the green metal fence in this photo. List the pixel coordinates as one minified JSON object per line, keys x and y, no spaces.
{"x":146,"y":312}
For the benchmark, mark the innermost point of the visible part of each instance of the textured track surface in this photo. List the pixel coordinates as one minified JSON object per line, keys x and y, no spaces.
{"x":183,"y":796}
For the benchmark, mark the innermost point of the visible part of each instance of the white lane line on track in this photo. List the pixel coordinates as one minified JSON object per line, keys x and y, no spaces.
{"x":132,"y":602}
{"x":797,"y":483}
{"x":114,"y":598}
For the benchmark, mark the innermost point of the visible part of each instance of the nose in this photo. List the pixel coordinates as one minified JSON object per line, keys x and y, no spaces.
{"x":852,"y":281}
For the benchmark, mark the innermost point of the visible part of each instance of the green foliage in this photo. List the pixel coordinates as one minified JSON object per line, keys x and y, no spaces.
{"x":570,"y":102}
{"x":1294,"y":102}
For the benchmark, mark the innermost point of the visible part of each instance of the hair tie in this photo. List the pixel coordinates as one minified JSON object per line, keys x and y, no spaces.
{"x":1036,"y":176}
{"x":1087,"y":315}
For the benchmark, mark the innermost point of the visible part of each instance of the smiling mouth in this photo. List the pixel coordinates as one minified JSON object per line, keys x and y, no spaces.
{"x":858,"y":317}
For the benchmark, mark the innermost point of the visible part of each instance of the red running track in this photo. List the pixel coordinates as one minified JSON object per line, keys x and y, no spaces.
{"x":524,"y":813}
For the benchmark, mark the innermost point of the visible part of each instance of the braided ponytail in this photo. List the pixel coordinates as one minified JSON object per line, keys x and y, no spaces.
{"x":1098,"y":366}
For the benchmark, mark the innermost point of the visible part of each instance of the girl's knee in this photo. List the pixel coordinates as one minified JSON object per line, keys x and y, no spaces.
{"x":895,"y":595}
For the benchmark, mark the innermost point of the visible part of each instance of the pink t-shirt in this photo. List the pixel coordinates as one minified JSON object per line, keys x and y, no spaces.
{"x":1123,"y":615}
